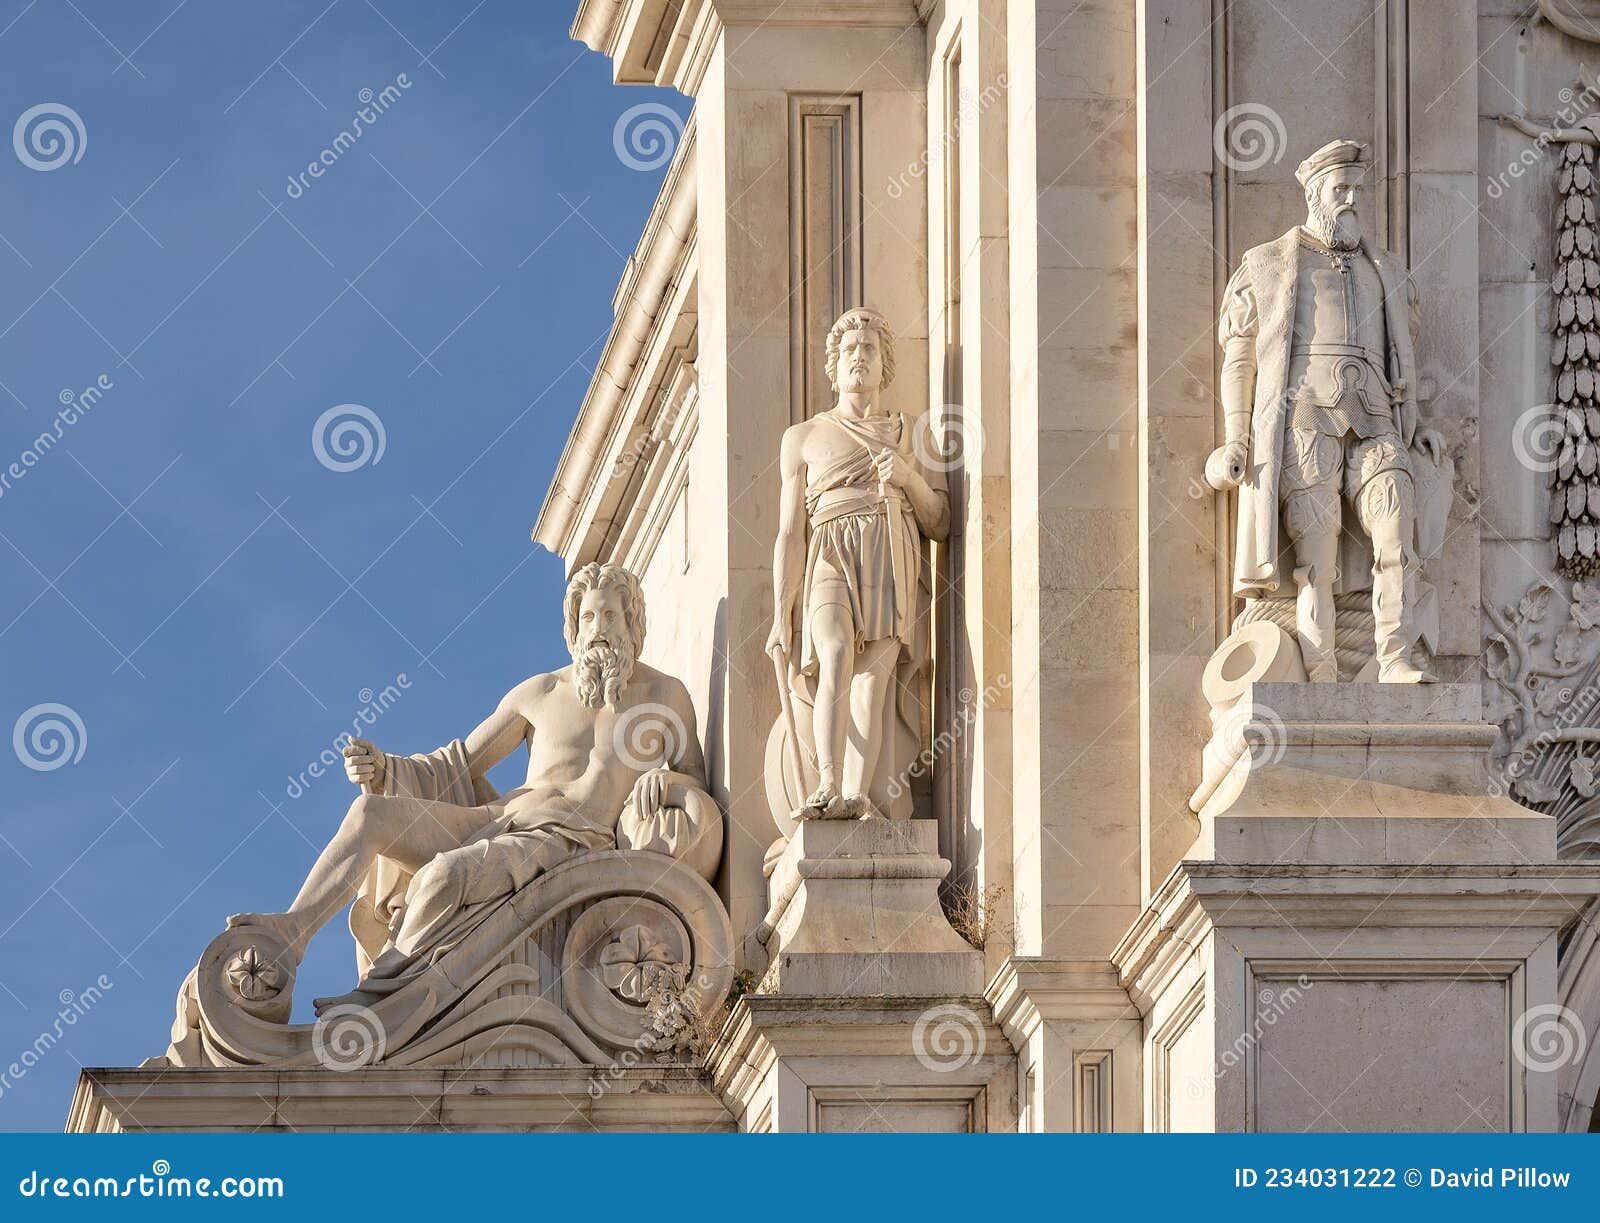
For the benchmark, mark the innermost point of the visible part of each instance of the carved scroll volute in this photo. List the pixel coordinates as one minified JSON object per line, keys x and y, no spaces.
{"x":637,"y":969}
{"x":245,"y":989}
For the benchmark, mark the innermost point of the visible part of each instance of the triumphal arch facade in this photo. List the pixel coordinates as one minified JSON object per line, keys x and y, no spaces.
{"x":1112,"y":487}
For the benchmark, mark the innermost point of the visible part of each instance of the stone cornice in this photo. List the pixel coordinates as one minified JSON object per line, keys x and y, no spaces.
{"x":818,"y":12}
{"x":1198,"y":897}
{"x":1030,"y":990}
{"x":668,"y":42}
{"x":648,"y":279}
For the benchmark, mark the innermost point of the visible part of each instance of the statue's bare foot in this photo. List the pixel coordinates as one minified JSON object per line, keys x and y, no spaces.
{"x":858,"y":807}
{"x":1403,"y":672}
{"x":282,"y":925}
{"x":355,"y":997}
{"x":819,"y":805}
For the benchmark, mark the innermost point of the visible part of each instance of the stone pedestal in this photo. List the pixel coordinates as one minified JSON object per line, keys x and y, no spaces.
{"x":1364,"y":773}
{"x":1369,"y":997}
{"x":844,"y":1065}
{"x":870,"y":1016}
{"x":855,"y":913}
{"x":1365,"y":936}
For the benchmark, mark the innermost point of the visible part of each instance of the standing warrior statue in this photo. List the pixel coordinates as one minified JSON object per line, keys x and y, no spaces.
{"x":852,"y":473}
{"x":1319,"y":397}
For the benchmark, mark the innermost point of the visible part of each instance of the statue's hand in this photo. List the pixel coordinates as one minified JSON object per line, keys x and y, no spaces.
{"x":650,"y":792}
{"x":893,"y":469}
{"x":778,"y":641}
{"x":1225,"y":467}
{"x":364,"y":764}
{"x":1431,"y":443}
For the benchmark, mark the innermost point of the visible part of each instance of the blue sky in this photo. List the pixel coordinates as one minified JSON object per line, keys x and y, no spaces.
{"x":213,"y":592}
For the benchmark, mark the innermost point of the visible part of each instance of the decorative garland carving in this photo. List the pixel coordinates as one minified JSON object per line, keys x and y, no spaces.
{"x":1567,"y":443}
{"x":1575,"y":353}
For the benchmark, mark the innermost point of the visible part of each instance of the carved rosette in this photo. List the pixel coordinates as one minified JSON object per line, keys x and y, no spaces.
{"x":253,"y":976}
{"x":627,"y":968}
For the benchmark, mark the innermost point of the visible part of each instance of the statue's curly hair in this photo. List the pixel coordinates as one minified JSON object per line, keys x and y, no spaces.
{"x":860,"y":318}
{"x":597,"y":576}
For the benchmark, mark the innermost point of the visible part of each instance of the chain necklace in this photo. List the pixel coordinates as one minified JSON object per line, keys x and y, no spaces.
{"x":1340,"y":260}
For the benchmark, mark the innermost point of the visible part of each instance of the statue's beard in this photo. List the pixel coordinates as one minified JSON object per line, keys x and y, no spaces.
{"x":857,"y":382}
{"x":602,"y":670}
{"x":1340,"y":230}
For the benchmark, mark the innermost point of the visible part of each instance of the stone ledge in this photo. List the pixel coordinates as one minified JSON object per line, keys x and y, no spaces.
{"x":1198,"y":896}
{"x":676,"y":1098}
{"x":1030,"y":990}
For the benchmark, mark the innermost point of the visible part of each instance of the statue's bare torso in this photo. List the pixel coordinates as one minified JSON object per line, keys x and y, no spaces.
{"x":587,"y":760}
{"x":822,"y":443}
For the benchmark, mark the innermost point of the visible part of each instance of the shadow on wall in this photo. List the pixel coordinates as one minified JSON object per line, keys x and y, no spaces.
{"x":716,"y":765}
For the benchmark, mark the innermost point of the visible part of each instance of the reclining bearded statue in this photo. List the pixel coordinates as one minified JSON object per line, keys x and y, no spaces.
{"x":429,"y":850}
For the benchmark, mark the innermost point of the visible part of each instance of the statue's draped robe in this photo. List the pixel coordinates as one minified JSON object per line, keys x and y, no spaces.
{"x":870,"y":555}
{"x":517,"y":842}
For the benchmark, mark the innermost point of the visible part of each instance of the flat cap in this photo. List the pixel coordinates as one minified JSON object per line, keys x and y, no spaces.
{"x":1330,"y":156}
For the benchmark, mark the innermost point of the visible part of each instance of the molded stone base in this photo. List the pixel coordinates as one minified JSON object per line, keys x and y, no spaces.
{"x":848,"y":1065}
{"x":1077,"y":1036}
{"x":1365,"y":773}
{"x":855,"y":913}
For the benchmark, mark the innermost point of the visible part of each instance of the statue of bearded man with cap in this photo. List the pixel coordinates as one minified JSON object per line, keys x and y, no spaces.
{"x":1319,"y":398}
